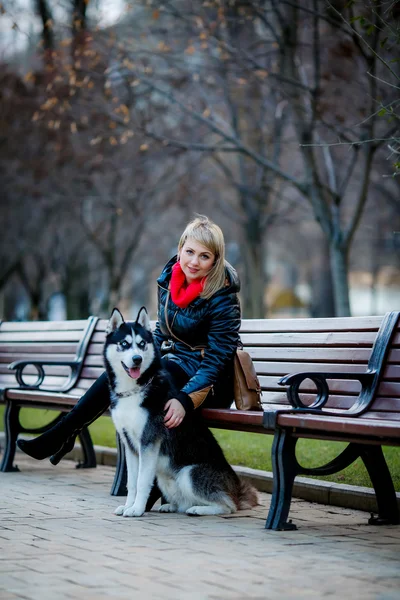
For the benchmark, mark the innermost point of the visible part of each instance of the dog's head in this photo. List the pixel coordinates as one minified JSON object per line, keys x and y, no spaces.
{"x":129,"y":347}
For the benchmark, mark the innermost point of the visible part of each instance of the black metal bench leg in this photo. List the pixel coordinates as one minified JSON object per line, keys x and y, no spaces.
{"x":12,"y":428}
{"x":385,"y":493}
{"x":89,"y":455}
{"x":118,"y":487}
{"x":285,"y":469}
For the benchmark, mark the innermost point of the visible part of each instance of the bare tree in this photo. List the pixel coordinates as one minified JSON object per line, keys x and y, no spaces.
{"x":259,"y":90}
{"x":292,"y":49}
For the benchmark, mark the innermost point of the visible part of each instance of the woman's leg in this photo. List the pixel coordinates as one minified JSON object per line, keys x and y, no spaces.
{"x":222,"y":394}
{"x":60,"y":439}
{"x":179,"y":375}
{"x":220,"y":397}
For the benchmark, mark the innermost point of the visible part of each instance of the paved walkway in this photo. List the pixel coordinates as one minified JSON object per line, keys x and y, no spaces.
{"x":60,"y":540}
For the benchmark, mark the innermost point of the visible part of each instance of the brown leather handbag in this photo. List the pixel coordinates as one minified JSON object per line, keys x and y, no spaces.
{"x":246,"y":387}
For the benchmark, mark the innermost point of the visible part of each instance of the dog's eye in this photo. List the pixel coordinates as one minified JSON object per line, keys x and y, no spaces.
{"x":124,"y":345}
{"x":142,"y":345}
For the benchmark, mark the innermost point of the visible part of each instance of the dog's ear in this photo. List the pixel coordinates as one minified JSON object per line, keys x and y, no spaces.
{"x":115,"y":321}
{"x":143,"y":318}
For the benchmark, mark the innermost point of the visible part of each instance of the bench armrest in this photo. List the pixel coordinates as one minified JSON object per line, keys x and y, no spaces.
{"x":320,"y":379}
{"x":20,"y":365}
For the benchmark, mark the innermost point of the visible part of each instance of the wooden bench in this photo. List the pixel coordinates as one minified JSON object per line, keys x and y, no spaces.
{"x":58,"y":361}
{"x":350,"y":392}
{"x":345,"y":386}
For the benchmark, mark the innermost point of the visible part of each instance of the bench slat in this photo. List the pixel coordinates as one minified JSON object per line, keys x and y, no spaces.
{"x":311,"y":325}
{"x":6,"y":359}
{"x":335,"y":385}
{"x":37,"y":348}
{"x":310,"y":355}
{"x":304,"y":340}
{"x":87,"y":373}
{"x":372,"y":428}
{"x":56,"y":370}
{"x":57,"y":382}
{"x":382,"y":414}
{"x":92,"y":372}
{"x":285,"y":368}
{"x":392,"y":372}
{"x":386,"y":404}
{"x":96,"y":349}
{"x":37,"y":395}
{"x":30,"y":326}
{"x":334,"y":402}
{"x":41,"y":336}
{"x":320,"y":355}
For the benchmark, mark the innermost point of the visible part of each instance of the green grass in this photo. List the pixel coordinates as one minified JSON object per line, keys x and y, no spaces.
{"x":246,"y":449}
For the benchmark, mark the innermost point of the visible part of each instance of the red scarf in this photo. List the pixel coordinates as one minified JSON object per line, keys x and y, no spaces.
{"x":183,"y":294}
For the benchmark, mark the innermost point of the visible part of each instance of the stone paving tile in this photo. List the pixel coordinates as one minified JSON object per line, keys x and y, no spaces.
{"x":60,"y":540}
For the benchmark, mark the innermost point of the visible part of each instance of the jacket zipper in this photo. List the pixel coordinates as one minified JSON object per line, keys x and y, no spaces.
{"x":172,"y":324}
{"x":192,"y":348}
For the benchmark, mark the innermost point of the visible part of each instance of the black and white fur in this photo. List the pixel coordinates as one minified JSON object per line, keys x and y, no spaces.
{"x":191,"y":470}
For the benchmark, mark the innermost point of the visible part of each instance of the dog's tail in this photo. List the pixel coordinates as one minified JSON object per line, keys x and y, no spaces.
{"x":248,"y":495}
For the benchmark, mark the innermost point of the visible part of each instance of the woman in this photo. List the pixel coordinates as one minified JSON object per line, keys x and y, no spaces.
{"x":197,"y":333}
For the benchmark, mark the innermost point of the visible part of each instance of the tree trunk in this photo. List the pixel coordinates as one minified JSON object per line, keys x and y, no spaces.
{"x":254,"y":284}
{"x":114,"y":297}
{"x":322,"y":302}
{"x":75,"y":290}
{"x":79,"y":27}
{"x":47,"y":31}
{"x":339,"y":267}
{"x":36,"y":312}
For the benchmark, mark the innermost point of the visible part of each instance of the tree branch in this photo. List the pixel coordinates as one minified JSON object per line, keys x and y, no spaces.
{"x":227,"y":137}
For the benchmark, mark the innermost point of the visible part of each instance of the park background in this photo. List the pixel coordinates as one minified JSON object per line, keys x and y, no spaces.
{"x":121,"y":120}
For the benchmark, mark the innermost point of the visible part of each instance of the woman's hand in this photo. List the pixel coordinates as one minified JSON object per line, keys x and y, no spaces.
{"x":175,"y":413}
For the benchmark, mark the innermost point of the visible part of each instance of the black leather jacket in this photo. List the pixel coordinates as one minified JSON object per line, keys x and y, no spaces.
{"x":205,"y":336}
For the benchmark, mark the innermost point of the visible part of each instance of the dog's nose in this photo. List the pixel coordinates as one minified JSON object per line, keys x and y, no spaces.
{"x":136,"y":360}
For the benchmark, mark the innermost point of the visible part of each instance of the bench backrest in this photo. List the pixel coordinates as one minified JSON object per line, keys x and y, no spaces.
{"x":43,"y":341}
{"x":278,"y":347}
{"x":283,"y":346}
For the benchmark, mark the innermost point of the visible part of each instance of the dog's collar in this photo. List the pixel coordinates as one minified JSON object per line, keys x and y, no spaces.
{"x":129,"y":393}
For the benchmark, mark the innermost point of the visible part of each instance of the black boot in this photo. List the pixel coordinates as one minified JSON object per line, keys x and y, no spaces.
{"x":155,"y":494}
{"x":60,"y":439}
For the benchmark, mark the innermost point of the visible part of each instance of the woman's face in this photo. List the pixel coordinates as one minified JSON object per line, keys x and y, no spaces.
{"x":196,"y":260}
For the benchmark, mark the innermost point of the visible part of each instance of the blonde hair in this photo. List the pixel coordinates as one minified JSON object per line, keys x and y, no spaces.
{"x":207,"y":233}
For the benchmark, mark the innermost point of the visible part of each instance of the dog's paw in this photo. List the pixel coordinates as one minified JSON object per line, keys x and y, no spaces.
{"x":120,"y":510}
{"x":133,"y":511}
{"x":167,"y":508}
{"x":195,"y":511}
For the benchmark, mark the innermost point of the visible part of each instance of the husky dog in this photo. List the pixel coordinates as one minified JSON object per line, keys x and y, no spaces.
{"x":191,"y":470}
